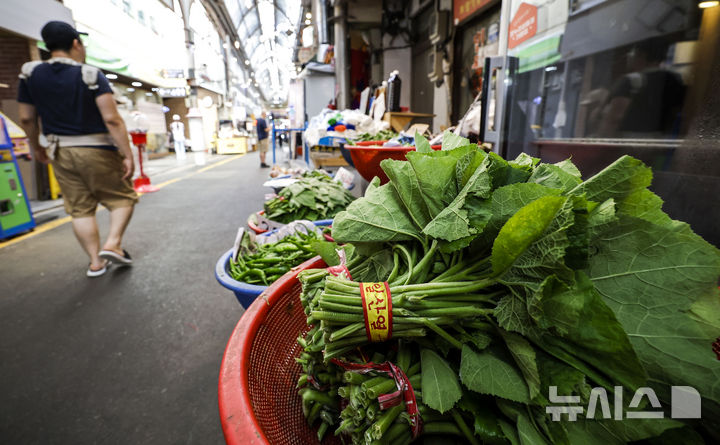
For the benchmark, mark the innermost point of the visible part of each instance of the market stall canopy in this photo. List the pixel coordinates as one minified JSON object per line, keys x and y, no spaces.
{"x":266,"y":31}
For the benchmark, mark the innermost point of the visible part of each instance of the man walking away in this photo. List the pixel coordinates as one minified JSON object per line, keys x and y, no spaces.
{"x":88,"y":142}
{"x":178,"y":132}
{"x":262,"y":139}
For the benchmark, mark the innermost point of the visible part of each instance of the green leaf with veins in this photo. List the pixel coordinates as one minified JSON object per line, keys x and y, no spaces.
{"x":524,"y":355}
{"x":492,"y":372}
{"x":533,"y":225}
{"x":435,"y":174}
{"x":440,"y":386}
{"x":452,"y":223}
{"x":618,"y":180}
{"x":569,"y":167}
{"x":467,"y":165}
{"x":609,"y":432}
{"x":574,"y":320}
{"x":485,"y":420}
{"x":523,"y":160}
{"x":379,"y":217}
{"x":405,"y":182}
{"x":490,"y":215}
{"x":553,"y":176}
{"x":451,"y":141}
{"x":421,"y":144}
{"x":662,"y":285}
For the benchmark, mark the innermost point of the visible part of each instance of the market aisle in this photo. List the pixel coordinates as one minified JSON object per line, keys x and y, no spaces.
{"x":131,"y":357}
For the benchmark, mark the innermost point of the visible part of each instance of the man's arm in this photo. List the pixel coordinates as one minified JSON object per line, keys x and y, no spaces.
{"x":116,"y":127}
{"x":29,"y":123}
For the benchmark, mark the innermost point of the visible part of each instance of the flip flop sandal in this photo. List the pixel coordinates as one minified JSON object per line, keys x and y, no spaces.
{"x":96,"y":273}
{"x":123,"y":260}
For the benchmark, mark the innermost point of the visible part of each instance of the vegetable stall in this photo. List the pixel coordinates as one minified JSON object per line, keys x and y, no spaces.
{"x":479,"y":300}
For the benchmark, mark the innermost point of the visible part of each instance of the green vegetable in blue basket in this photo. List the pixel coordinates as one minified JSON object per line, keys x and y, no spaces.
{"x":314,"y":197}
{"x":263,"y":264}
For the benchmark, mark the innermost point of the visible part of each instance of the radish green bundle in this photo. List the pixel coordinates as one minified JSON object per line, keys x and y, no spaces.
{"x":528,"y":288}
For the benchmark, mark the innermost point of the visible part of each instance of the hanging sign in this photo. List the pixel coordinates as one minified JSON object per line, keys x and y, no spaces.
{"x":462,"y":9}
{"x":523,"y":25}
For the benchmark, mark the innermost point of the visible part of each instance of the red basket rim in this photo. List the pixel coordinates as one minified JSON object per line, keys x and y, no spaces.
{"x":403,"y":147}
{"x":239,"y":424}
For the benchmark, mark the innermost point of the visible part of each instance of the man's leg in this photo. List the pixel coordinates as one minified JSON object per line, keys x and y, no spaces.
{"x":86,"y":231}
{"x":119,"y":219}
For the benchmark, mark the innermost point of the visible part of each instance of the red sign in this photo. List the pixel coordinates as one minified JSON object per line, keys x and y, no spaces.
{"x":523,"y":26}
{"x":463,"y":9}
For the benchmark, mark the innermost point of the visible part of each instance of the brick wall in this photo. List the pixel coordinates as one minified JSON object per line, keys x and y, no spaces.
{"x":15,"y":51}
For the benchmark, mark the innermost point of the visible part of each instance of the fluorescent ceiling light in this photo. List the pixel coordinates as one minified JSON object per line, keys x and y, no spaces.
{"x":111,"y":76}
{"x":148,"y":94}
{"x":247,"y":62}
{"x":705,"y":5}
{"x":130,"y":90}
{"x":307,"y":22}
{"x":237,"y":45}
{"x":136,"y":84}
{"x":308,"y":15}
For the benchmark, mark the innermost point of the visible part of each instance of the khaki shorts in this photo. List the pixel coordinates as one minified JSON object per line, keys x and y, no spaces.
{"x":263,"y":145}
{"x":88,"y":176}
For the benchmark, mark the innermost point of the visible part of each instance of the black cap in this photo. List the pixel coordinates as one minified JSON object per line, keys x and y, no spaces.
{"x":59,"y":35}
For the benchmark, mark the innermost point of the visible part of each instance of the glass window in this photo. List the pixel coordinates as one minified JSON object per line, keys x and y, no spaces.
{"x":614,"y":77}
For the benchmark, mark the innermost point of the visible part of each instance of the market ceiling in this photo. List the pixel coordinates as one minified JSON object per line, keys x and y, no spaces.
{"x":266,"y":32}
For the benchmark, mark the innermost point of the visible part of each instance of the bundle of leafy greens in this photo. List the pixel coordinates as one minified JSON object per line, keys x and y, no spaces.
{"x":383,"y":135}
{"x":517,"y":283}
{"x":314,"y":196}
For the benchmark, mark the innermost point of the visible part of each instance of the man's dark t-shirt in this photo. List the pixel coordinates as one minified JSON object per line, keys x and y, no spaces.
{"x":261,"y":129}
{"x":65,"y":104}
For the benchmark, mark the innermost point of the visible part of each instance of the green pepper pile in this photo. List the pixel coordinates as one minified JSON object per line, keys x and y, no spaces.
{"x":266,"y":263}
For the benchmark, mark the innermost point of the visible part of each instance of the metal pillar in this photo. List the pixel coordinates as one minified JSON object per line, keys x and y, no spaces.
{"x":195,"y":126}
{"x":342,"y":67}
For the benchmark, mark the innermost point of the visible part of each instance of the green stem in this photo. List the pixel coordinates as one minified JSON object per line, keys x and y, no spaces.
{"x":443,"y":428}
{"x":346,"y":331}
{"x":423,"y":267}
{"x":396,"y":267}
{"x":463,"y":427}
{"x":378,"y":428}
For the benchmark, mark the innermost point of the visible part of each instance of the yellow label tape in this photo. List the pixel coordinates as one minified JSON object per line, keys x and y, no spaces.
{"x":377,"y":309}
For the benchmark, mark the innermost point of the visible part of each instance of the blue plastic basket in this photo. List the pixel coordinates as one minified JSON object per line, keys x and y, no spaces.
{"x":244,"y":292}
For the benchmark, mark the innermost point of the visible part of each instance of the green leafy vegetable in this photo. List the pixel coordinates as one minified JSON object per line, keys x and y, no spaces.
{"x":441,"y":389}
{"x":314,"y":197}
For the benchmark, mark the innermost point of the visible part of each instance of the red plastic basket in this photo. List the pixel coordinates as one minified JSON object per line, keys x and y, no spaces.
{"x":257,"y":391}
{"x":367,"y":158}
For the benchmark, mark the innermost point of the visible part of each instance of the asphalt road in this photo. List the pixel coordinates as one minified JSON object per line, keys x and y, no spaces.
{"x":131,"y":357}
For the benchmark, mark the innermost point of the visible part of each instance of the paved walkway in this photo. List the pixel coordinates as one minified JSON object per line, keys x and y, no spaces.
{"x":131,"y":357}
